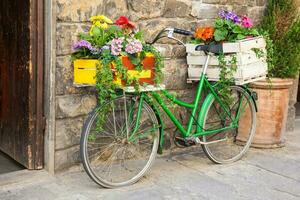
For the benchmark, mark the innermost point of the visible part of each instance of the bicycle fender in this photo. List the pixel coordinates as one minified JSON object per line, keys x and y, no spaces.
{"x":251,"y":93}
{"x":210,"y":97}
{"x":161,"y":128}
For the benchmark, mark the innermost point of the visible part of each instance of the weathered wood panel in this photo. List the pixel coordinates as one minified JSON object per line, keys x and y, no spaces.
{"x":21,"y":69}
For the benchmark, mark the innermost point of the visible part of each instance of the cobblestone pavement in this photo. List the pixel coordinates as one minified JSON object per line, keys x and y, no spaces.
{"x":262,"y":174}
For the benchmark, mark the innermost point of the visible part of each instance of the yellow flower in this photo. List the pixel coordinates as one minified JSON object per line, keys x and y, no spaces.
{"x":101,"y":18}
{"x":101,"y":25}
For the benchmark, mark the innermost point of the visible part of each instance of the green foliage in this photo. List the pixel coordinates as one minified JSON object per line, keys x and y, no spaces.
{"x":226,"y":30}
{"x":227,"y":70}
{"x":283,"y":25}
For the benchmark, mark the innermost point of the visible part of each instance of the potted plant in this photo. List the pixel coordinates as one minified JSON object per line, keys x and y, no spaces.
{"x":240,"y":59}
{"x":112,"y":55}
{"x":283,"y":43}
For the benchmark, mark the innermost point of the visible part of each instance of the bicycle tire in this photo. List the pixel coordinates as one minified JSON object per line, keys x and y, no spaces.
{"x":120,"y":167}
{"x":239,"y":140}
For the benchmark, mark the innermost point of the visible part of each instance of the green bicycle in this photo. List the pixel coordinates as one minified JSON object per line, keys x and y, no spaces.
{"x":133,"y":130}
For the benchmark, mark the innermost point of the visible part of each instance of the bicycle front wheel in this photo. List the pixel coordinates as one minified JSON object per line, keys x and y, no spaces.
{"x":115,"y":150}
{"x":230,"y":144}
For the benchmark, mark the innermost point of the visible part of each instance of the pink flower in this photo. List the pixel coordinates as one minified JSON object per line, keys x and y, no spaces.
{"x":247,"y":22}
{"x":116,"y":46}
{"x":134,"y":46}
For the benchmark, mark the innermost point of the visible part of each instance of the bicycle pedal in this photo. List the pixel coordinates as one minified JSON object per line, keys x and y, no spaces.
{"x":182,"y":142}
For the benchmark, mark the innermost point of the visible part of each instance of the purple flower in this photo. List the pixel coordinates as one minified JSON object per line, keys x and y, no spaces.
{"x":222,"y":14}
{"x":134,"y":46}
{"x":116,"y":46}
{"x":229,"y":15}
{"x":95,"y":51}
{"x":82,"y":44}
{"x":105,"y":47}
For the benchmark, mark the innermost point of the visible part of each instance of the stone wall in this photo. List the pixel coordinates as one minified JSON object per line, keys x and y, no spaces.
{"x":73,"y":104}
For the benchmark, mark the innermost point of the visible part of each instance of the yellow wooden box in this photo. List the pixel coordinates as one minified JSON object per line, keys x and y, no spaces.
{"x":85,"y":72}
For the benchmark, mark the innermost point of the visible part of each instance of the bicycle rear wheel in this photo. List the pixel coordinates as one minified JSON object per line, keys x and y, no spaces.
{"x":116,"y":152}
{"x":231,"y":144}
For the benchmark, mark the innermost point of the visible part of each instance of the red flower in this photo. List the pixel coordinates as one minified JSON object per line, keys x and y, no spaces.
{"x":124,"y":23}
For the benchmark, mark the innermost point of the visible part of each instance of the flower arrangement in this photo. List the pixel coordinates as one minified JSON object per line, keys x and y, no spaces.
{"x":228,"y":27}
{"x":110,"y":42}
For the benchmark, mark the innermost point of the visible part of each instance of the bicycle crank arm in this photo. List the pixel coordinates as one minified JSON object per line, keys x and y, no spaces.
{"x":198,"y":141}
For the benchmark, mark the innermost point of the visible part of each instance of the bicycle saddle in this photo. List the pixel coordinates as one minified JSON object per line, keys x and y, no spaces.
{"x":212,"y":48}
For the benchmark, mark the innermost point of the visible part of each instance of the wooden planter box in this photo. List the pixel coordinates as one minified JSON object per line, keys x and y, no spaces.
{"x":85,"y":71}
{"x":250,"y":68}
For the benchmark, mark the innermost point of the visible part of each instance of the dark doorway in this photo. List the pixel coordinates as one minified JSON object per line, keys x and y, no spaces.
{"x":21,"y":81}
{"x":7,"y":164}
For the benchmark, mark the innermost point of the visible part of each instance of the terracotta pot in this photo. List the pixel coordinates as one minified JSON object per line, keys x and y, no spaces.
{"x":272,"y":104}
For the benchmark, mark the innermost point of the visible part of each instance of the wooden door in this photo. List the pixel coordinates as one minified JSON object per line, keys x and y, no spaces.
{"x":21,"y":81}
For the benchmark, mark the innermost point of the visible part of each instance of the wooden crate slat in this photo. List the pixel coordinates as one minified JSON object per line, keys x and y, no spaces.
{"x":242,"y":59}
{"x":233,"y":47}
{"x":243,"y":73}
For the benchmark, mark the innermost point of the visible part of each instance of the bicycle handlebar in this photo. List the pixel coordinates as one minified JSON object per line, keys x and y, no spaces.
{"x":182,"y":32}
{"x":171,"y":31}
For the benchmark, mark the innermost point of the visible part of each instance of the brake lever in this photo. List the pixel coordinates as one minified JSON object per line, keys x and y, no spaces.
{"x":170,"y":35}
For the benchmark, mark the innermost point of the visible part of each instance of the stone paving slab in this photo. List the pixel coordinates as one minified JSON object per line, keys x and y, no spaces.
{"x":185,"y":174}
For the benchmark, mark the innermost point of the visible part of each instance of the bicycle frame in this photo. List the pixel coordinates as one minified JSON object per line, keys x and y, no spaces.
{"x":186,"y":132}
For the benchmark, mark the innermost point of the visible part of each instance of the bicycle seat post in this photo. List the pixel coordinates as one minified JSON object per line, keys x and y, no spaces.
{"x":206,"y":64}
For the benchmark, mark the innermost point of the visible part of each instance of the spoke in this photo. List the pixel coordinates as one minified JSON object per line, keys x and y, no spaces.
{"x":103,"y":151}
{"x":111,"y":123}
{"x":114,"y":117}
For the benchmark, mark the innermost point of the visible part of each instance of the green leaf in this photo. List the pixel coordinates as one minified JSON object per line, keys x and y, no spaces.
{"x":138,"y":35}
{"x":237,"y":29}
{"x":135,"y":60}
{"x":220,"y":34}
{"x":219,"y":23}
{"x":254,"y":32}
{"x":96,"y":31}
{"x":240,"y":36}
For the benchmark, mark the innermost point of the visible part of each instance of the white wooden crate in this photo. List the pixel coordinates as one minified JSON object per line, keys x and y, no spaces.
{"x":249,"y":67}
{"x":233,"y":47}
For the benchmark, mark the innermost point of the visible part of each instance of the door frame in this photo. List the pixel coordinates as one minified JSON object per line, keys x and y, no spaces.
{"x":36,"y":90}
{"x":49,"y":84}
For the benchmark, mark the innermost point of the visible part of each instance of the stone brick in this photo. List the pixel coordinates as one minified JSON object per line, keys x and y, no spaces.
{"x":66,"y":158}
{"x":256,"y":13}
{"x":152,"y":27}
{"x":115,"y":8}
{"x":74,"y":105}
{"x":78,"y":10}
{"x":204,"y":11}
{"x":177,"y":8}
{"x":236,"y":2}
{"x":164,"y":49}
{"x":144,"y":9}
{"x":175,"y":73}
{"x":66,"y":35}
{"x":203,"y":23}
{"x":68,"y":132}
{"x":251,"y":2}
{"x":178,"y":51}
{"x":261,"y":2}
{"x":215,"y":1}
{"x":240,"y":10}
{"x":171,"y":51}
